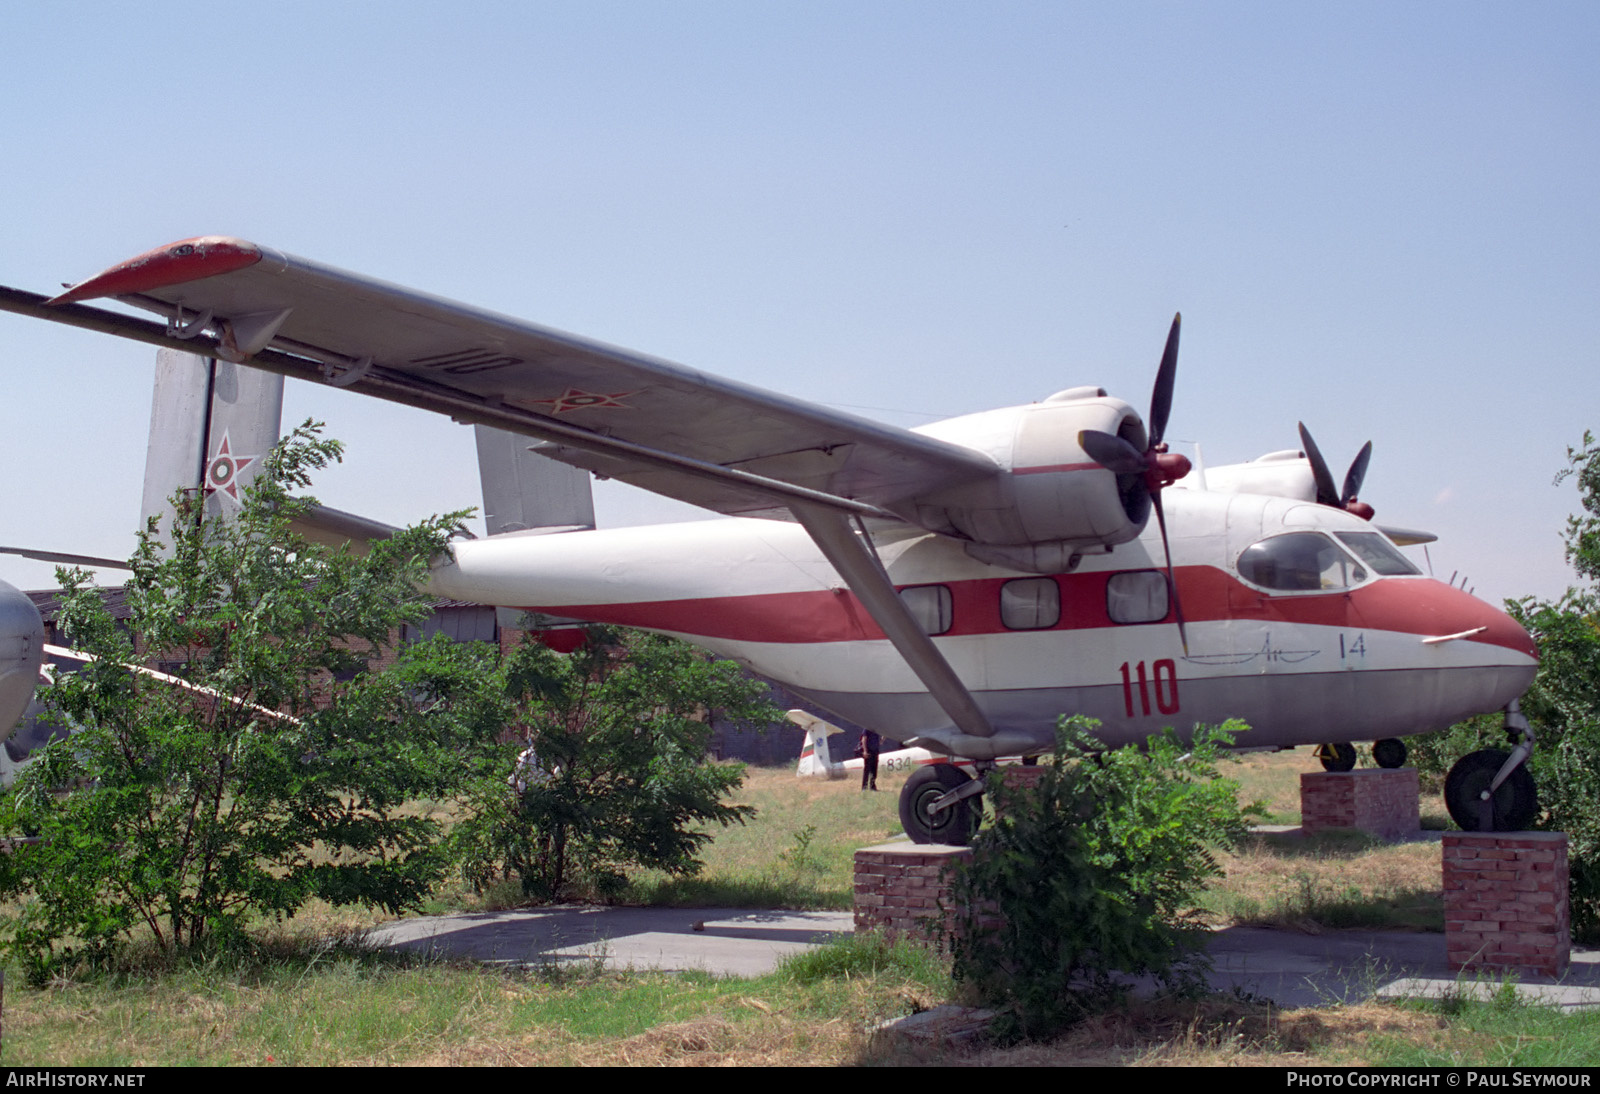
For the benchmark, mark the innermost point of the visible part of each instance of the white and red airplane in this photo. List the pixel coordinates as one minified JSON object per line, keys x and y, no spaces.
{"x":817,"y":762}
{"x":958,"y":587}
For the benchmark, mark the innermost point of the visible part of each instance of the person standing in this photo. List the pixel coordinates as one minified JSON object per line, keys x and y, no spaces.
{"x":867,"y":749}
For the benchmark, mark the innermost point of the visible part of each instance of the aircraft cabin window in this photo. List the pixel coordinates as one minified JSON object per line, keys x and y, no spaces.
{"x":1378,"y":553}
{"x":1137,"y":596}
{"x":1030,"y":603}
{"x":1300,"y":562}
{"x":930,"y":606}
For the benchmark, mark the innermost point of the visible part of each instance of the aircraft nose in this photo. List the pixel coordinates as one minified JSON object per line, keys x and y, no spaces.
{"x":1449,"y":612}
{"x":21,"y":650}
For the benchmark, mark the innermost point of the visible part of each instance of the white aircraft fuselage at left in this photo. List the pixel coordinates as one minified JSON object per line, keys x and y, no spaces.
{"x":1373,"y":657}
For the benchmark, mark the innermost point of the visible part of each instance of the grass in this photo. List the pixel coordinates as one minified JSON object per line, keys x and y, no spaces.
{"x":299,"y":999}
{"x":301,"y":1006}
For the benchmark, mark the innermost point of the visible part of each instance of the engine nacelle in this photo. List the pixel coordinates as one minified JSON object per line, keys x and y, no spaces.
{"x":1056,"y":499}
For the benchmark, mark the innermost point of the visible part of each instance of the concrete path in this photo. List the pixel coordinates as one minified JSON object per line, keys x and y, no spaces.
{"x":1291,"y":968}
{"x":724,"y":941}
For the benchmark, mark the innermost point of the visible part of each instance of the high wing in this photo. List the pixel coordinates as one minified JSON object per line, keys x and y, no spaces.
{"x":716,"y":443}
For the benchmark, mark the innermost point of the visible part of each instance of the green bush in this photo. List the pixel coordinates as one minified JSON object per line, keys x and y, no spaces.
{"x":617,"y":774}
{"x":1090,"y":878}
{"x":284,"y":768}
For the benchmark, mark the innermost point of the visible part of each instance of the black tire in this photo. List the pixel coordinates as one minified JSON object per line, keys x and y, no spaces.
{"x":955,"y":825}
{"x":1337,"y":757}
{"x":1515,"y":804}
{"x":1389,"y":752}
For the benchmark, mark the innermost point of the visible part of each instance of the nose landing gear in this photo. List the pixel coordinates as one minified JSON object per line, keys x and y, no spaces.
{"x":1492,"y":790}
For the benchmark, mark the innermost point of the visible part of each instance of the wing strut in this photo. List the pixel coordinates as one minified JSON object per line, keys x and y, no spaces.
{"x":831,"y":531}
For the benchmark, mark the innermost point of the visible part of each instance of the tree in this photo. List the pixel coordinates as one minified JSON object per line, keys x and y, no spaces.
{"x":1092,"y":875}
{"x":615,"y":774}
{"x":1563,"y":704}
{"x":282,"y":771}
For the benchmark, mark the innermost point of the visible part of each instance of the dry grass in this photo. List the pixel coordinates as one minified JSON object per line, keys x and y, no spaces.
{"x":1330,"y":881}
{"x":1217,"y":1033}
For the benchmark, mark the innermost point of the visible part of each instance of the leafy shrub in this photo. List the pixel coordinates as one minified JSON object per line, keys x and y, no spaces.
{"x":1090,"y":877}
{"x":617,"y":775}
{"x":281,"y":772}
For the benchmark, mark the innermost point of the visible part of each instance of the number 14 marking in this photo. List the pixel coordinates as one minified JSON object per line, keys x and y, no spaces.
{"x":1165,"y":673}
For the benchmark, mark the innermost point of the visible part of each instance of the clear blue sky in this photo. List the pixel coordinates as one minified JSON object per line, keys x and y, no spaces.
{"x":1379,"y":218}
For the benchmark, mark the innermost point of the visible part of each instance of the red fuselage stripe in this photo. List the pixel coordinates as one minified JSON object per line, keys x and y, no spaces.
{"x":1406,"y":606}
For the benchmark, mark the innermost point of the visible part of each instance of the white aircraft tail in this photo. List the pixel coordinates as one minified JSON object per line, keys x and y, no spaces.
{"x":815,"y":762}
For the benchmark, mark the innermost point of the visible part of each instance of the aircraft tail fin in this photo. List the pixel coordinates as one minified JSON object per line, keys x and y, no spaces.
{"x":212,"y":424}
{"x":815,"y":762}
{"x":525,"y":493}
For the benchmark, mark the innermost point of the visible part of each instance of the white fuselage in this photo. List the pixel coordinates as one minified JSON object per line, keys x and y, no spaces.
{"x":1299,"y":667}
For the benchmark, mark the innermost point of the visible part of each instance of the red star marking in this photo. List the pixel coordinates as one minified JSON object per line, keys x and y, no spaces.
{"x":573,"y":399}
{"x":222,"y":472}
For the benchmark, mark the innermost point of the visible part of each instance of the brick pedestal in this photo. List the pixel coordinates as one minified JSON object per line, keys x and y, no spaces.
{"x":900,"y":886}
{"x":1505,"y":901}
{"x":1379,"y":801}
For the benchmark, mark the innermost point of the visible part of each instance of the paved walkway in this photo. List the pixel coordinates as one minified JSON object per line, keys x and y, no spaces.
{"x":1291,"y":968}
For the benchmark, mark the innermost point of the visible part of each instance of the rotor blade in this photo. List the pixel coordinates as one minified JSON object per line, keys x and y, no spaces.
{"x":1166,"y":376}
{"x":1172,"y":582}
{"x":1356,"y":475}
{"x":1326,"y":492}
{"x":1112,"y":452}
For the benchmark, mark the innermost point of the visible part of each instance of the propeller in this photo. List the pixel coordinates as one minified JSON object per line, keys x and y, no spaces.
{"x":1158,"y":467}
{"x":1326,"y":494}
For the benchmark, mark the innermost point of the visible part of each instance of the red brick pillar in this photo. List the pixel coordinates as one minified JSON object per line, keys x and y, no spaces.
{"x":1505,"y":901}
{"x":901,"y":887}
{"x":1379,"y":801}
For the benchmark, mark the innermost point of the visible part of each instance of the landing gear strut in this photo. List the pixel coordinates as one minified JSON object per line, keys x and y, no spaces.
{"x":1491,"y":790}
{"x":921,"y":814}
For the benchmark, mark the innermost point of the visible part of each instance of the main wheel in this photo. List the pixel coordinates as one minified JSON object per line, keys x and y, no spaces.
{"x":1514,"y":806}
{"x":1389,"y":752}
{"x":954,"y":825}
{"x":1337,"y":757}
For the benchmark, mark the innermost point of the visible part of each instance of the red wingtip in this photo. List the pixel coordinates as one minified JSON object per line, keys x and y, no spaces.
{"x":174,"y":264}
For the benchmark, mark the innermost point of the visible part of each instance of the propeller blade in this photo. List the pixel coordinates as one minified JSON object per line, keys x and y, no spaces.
{"x":1112,"y":452}
{"x":1327,"y":494}
{"x":1172,"y":582}
{"x":1357,"y":474}
{"x":1166,"y":376}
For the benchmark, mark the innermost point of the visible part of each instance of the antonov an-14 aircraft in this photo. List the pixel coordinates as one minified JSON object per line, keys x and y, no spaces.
{"x":957,"y":587}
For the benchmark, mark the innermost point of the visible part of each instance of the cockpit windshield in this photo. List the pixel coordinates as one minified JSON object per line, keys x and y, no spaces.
{"x":1377,"y":552}
{"x":1300,"y":562}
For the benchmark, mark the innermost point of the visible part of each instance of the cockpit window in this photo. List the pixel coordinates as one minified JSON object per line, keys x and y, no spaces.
{"x":1378,"y":553}
{"x":1300,"y":562}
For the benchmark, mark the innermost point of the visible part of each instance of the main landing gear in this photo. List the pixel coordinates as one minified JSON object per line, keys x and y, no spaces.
{"x":1389,"y":752}
{"x":941,"y":803}
{"x":1492,"y":790}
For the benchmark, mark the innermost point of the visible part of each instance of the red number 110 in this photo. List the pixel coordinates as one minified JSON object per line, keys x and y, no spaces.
{"x":1165,"y":674}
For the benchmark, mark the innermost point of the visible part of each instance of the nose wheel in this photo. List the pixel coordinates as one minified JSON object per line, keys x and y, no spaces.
{"x":928,"y":817}
{"x":1492,"y":790}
